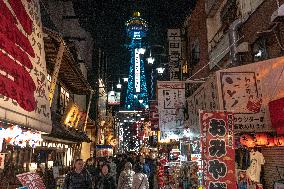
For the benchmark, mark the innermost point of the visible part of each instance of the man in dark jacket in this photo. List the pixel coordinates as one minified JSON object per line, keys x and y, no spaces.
{"x":78,"y":178}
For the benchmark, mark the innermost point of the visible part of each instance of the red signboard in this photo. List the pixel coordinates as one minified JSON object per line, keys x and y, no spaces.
{"x":218,"y":154}
{"x":32,"y":180}
{"x":154,"y":115}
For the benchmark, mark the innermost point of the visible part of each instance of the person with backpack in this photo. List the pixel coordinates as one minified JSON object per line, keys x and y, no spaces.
{"x":78,"y":178}
{"x":126,"y":177}
{"x":140,"y":180}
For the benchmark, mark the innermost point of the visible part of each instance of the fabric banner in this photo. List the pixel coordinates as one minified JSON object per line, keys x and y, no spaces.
{"x":154,"y":115}
{"x":171,"y":104}
{"x":247,"y":90}
{"x":31,"y":180}
{"x":23,"y":76}
{"x":218,"y":155}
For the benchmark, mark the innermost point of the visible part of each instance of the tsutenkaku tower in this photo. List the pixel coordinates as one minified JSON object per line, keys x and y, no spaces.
{"x":137,"y":95}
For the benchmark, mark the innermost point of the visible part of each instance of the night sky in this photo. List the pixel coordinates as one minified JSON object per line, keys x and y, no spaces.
{"x":105,"y":20}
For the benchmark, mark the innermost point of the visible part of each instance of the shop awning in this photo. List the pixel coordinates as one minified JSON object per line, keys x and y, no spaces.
{"x":69,"y":73}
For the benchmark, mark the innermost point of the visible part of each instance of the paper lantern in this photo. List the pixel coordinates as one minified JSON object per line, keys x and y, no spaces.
{"x":270,"y":142}
{"x":247,"y":140}
{"x":279,"y":141}
{"x":261,"y":139}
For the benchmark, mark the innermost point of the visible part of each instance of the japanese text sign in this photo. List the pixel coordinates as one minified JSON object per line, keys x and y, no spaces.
{"x":2,"y":160}
{"x":31,"y":180}
{"x":171,"y":104}
{"x":217,"y":150}
{"x":23,"y":82}
{"x":174,"y":38}
{"x":247,"y":90}
{"x":73,"y":116}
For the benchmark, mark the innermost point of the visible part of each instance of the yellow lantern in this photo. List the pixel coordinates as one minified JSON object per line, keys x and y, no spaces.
{"x":261,"y":139}
{"x":247,"y":140}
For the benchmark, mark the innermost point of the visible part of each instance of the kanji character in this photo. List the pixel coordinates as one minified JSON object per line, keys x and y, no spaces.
{"x":217,"y":148}
{"x":217,"y":185}
{"x":217,"y":127}
{"x":217,"y":169}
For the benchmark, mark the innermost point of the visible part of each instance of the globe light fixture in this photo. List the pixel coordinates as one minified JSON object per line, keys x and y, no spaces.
{"x":125,"y":79}
{"x":160,"y":70}
{"x":141,"y":50}
{"x":118,"y":85}
{"x":150,"y":60}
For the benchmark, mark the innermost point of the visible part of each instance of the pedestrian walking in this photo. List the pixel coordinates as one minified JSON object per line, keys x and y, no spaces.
{"x":106,"y":181}
{"x":126,"y":177}
{"x":140,"y":180}
{"x":78,"y":178}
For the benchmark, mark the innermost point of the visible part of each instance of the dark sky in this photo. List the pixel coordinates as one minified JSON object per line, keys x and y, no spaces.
{"x":105,"y":19}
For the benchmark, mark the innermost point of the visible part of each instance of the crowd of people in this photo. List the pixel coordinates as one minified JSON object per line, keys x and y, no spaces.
{"x":122,"y":172}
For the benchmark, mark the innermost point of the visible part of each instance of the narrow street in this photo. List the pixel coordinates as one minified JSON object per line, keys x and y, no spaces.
{"x":141,"y":94}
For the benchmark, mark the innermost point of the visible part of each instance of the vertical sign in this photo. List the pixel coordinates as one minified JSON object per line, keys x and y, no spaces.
{"x":174,"y":39}
{"x":137,"y":70}
{"x":171,"y":103}
{"x":217,"y":150}
{"x":23,"y":75}
{"x":154,"y":115}
{"x":2,"y":160}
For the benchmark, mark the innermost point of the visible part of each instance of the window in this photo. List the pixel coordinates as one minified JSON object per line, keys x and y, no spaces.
{"x":195,"y":53}
{"x":259,"y":51}
{"x":63,"y":100}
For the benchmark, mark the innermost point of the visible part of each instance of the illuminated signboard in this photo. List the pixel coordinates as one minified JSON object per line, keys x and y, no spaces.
{"x":137,"y":70}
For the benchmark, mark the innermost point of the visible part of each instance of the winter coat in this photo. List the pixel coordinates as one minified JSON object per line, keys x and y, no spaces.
{"x":106,"y":182}
{"x":74,"y":180}
{"x":125,"y":179}
{"x":140,"y":181}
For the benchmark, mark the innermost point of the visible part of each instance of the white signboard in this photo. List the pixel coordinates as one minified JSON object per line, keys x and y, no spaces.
{"x":114,"y":98}
{"x":23,"y":82}
{"x":171,"y":104}
{"x":204,"y":98}
{"x":137,"y":70}
{"x":174,"y":38}
{"x":246,"y":91}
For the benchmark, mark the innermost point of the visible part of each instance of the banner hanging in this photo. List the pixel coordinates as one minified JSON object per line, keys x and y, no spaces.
{"x":218,"y":154}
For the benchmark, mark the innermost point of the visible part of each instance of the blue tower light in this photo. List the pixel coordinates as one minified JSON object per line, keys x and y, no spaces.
{"x":137,"y":95}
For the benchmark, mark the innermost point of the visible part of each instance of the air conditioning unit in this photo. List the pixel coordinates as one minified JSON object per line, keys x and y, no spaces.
{"x":278,"y":15}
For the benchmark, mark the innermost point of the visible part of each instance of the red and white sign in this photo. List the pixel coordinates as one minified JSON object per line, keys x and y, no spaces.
{"x":23,"y":81}
{"x":31,"y":180}
{"x":154,"y":115}
{"x":217,"y":150}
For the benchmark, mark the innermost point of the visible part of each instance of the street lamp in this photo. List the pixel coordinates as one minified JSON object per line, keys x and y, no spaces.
{"x":141,"y":50}
{"x":125,"y":79}
{"x":151,"y":59}
{"x":119,"y":84}
{"x":160,"y":70}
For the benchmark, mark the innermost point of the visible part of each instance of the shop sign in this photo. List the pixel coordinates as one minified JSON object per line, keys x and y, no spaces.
{"x":31,"y":180}
{"x":174,"y":39}
{"x":104,"y":151}
{"x":204,"y":98}
{"x":217,"y":150}
{"x":23,"y":75}
{"x":113,"y":98}
{"x":73,"y":116}
{"x":171,"y":104}
{"x":247,"y":90}
{"x":154,"y":115}
{"x":2,"y":160}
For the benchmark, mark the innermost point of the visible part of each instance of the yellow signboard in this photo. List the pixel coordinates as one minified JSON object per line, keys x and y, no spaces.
{"x":73,"y":116}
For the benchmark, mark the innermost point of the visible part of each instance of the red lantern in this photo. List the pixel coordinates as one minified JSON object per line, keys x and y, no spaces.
{"x":247,"y":140}
{"x":261,"y":139}
{"x":279,"y":141}
{"x":270,"y":142}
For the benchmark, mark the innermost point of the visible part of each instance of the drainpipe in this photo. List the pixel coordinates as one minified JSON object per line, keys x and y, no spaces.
{"x":233,"y":40}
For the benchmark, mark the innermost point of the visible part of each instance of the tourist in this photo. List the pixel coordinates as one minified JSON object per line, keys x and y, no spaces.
{"x":78,"y":178}
{"x":126,"y":177}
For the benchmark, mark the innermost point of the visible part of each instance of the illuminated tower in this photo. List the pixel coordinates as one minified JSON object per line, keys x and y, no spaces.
{"x":137,"y":96}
